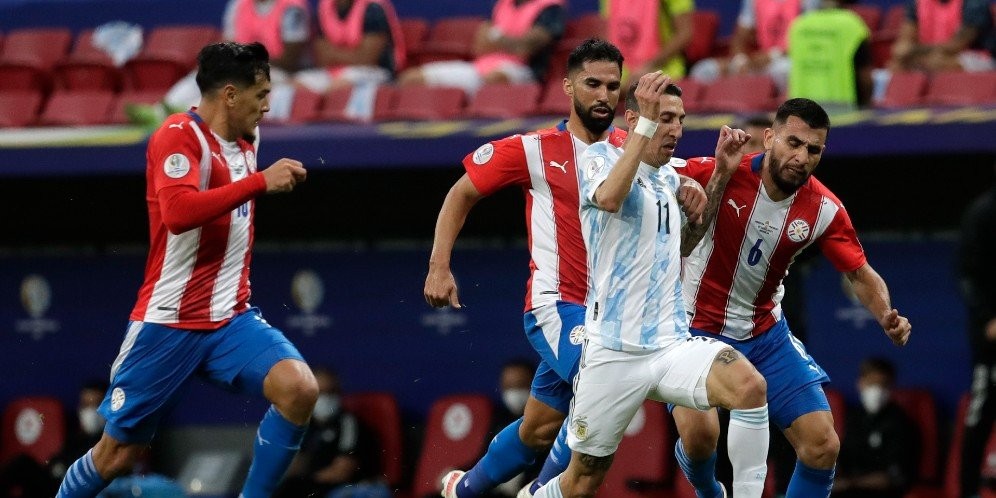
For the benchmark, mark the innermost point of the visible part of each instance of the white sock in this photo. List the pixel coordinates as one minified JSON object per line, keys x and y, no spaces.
{"x":748,"y":449}
{"x":550,"y":490}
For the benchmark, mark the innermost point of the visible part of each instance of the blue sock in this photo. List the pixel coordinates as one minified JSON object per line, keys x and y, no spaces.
{"x":808,"y":482}
{"x":701,"y":473}
{"x":556,"y":462}
{"x":82,"y":479}
{"x":277,"y":440}
{"x":507,"y":456}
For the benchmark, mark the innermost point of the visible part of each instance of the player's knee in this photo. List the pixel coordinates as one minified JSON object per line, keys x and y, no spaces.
{"x":751,"y":391}
{"x":821,"y":450}
{"x":296,"y":390}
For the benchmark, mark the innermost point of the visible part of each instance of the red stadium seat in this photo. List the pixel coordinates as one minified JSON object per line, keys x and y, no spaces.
{"x":419,"y":102}
{"x":870,"y":14}
{"x":170,"y":52}
{"x":19,"y":108}
{"x":306,"y":106}
{"x":34,"y":426}
{"x":961,"y":88}
{"x":415,"y":31}
{"x":334,"y":108}
{"x":838,"y":408}
{"x":121,"y":101}
{"x":451,"y":38}
{"x":691,"y":94}
{"x":28,"y":56}
{"x":70,"y":108}
{"x":554,"y":101}
{"x":905,"y":89}
{"x":701,"y":46}
{"x":643,"y":461}
{"x":741,"y":94}
{"x":919,"y":404}
{"x":883,"y":38}
{"x":500,"y":100}
{"x":455,"y":436}
{"x":87,"y":67}
{"x":581,"y":28}
{"x":379,"y":411}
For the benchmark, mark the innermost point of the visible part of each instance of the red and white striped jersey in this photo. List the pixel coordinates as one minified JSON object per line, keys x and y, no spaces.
{"x":544,"y":166}
{"x":733,"y":278}
{"x":199,"y":278}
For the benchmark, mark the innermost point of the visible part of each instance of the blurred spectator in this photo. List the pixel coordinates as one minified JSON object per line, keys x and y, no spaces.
{"x":830,"y":57}
{"x":282,"y":26}
{"x":337,"y":451}
{"x":513,"y":47}
{"x":977,"y":269}
{"x":755,"y":126}
{"x":515,"y":382}
{"x":944,"y":35}
{"x":24,"y":477}
{"x":880,"y":451}
{"x":361,"y":43}
{"x":652,"y":34}
{"x":759,"y":42}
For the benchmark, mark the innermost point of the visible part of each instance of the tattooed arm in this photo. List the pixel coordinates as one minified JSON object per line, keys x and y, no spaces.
{"x":729,"y":151}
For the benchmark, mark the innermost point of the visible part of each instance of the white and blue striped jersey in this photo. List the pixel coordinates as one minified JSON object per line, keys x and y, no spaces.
{"x":634,"y":257}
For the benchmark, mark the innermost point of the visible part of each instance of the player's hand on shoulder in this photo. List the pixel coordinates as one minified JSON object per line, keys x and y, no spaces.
{"x":730,"y":148}
{"x":441,"y":289}
{"x":896,"y":326}
{"x":692,"y":198}
{"x":283,"y":175}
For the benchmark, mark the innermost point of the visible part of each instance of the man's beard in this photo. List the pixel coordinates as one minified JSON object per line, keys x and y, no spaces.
{"x":785,"y":185}
{"x":595,"y":125}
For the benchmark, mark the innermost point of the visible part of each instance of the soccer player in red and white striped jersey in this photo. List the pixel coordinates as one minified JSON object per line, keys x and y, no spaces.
{"x":766,"y":211}
{"x":192,"y":316}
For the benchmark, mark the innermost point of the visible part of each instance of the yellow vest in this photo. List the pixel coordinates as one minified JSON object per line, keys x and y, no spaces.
{"x":821,"y":46}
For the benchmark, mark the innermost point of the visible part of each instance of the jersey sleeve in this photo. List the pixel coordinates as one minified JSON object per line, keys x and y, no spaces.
{"x":174,"y":157}
{"x":496,"y":165}
{"x":595,"y":167}
{"x":697,"y":168}
{"x":840,"y":243}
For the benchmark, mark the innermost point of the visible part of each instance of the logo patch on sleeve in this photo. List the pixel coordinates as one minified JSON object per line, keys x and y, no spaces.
{"x":483,"y":154}
{"x":176,"y":166}
{"x":595,"y":164}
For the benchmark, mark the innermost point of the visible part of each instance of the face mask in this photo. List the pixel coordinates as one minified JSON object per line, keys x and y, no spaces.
{"x":873,"y":398}
{"x":515,"y":400}
{"x":325,"y":407}
{"x":90,"y":421}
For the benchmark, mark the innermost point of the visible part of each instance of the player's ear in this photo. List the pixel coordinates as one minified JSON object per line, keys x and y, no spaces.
{"x":231,"y":93}
{"x":769,"y":138}
{"x":568,"y":87}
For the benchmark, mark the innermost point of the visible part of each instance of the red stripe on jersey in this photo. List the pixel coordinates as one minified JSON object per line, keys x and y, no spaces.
{"x":572,"y":257}
{"x":713,"y":295}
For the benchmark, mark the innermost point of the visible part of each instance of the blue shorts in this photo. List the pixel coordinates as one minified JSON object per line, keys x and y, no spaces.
{"x":795,"y":380}
{"x":556,"y":331}
{"x":155,"y":361}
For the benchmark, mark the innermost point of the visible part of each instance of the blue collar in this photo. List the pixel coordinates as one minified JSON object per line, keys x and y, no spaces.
{"x":755,"y":163}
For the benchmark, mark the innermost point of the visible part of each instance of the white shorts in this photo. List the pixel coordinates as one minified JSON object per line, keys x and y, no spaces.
{"x":464,"y":75}
{"x":611,"y":386}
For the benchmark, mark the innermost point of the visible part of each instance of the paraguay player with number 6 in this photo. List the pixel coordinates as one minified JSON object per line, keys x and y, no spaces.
{"x":766,"y":211}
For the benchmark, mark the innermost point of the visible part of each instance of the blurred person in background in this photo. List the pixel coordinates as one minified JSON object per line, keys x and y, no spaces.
{"x":192,"y":316}
{"x":513,"y":47}
{"x":830,"y":57}
{"x":755,"y":126}
{"x":361,"y":43}
{"x":881,"y":450}
{"x":759,"y":43}
{"x":282,"y":26}
{"x":977,"y":271}
{"x":652,"y":34}
{"x":514,"y":382}
{"x":337,"y":450}
{"x":945,"y":35}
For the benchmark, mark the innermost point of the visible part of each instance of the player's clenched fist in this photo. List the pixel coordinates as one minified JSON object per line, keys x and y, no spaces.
{"x":283,"y":175}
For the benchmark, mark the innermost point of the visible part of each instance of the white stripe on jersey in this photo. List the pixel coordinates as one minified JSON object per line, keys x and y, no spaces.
{"x":178,"y":265}
{"x":129,"y":342}
{"x":205,"y":156}
{"x":226,"y":285}
{"x":546,"y":285}
{"x":635,"y":300}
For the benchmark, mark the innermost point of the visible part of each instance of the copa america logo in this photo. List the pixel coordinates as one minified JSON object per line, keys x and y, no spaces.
{"x":308,"y":293}
{"x":36,"y":298}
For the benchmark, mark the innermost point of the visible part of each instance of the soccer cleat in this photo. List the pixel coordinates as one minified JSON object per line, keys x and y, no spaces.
{"x":524,"y":492}
{"x":450,"y":481}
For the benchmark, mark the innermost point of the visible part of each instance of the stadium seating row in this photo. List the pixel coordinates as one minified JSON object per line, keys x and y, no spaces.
{"x":457,"y":428}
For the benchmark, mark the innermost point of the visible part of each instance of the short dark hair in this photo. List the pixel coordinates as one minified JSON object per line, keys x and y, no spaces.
{"x":807,"y":110}
{"x":219,"y":64}
{"x":758,"y":120}
{"x":633,"y":105}
{"x":591,"y":50}
{"x":880,"y":365}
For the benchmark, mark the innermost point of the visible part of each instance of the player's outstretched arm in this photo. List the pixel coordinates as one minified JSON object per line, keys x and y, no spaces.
{"x":440,"y":285}
{"x":284,"y":175}
{"x":874,"y":294}
{"x":729,"y":151}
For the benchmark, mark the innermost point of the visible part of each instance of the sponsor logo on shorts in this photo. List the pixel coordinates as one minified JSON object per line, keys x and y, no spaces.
{"x":577,"y":335}
{"x":117,"y":399}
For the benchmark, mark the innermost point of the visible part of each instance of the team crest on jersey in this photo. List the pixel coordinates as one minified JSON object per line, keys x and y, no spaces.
{"x":798,"y":230}
{"x":117,"y":399}
{"x":483,"y":154}
{"x":594,"y":165}
{"x":579,"y":427}
{"x":677,"y":162}
{"x":577,"y":335}
{"x":176,"y":166}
